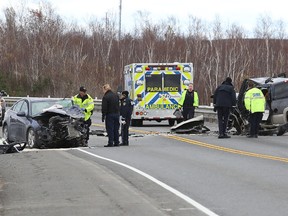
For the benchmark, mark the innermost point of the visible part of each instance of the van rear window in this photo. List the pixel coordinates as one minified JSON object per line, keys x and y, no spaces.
{"x":153,"y":82}
{"x":172,"y":82}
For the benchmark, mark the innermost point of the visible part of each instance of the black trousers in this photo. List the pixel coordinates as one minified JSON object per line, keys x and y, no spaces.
{"x":255,"y":120}
{"x":223,"y":116}
{"x":125,"y":132}
{"x":87,"y":124}
{"x":188,"y":113}
{"x":112,"y":125}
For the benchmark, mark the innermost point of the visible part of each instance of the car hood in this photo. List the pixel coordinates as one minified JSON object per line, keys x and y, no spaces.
{"x":74,"y":112}
{"x":267,"y":81}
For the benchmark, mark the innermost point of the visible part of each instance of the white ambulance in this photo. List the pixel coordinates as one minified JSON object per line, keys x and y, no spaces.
{"x":155,"y":89}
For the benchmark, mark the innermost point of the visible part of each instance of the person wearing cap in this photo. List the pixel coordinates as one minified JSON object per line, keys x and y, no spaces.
{"x":224,"y":99}
{"x":254,"y":101}
{"x":111,"y":115}
{"x":126,"y":108}
{"x":86,"y":104}
{"x":189,"y":101}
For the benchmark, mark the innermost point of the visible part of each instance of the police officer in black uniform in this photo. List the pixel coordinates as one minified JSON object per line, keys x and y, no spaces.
{"x":126,"y":108}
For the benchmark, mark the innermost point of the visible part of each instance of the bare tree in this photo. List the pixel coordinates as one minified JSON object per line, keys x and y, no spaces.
{"x":42,"y":55}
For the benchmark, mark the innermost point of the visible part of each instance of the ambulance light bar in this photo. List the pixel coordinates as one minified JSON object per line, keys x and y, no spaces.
{"x":161,"y":67}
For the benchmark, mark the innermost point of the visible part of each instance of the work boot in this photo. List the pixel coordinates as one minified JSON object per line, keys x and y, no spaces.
{"x":221,"y":136}
{"x":108,"y":145}
{"x":252,"y":136}
{"x":226,"y":136}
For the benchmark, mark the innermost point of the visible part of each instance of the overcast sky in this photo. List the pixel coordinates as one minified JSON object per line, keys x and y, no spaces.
{"x":244,"y":13}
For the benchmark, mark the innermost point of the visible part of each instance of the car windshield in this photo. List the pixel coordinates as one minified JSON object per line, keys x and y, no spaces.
{"x":38,"y":106}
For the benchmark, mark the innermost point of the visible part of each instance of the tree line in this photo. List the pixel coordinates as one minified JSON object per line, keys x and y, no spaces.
{"x":42,"y":55}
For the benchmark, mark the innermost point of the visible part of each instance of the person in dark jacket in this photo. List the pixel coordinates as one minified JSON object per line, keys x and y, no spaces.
{"x":224,"y":99}
{"x":111,"y":115}
{"x":126,"y":108}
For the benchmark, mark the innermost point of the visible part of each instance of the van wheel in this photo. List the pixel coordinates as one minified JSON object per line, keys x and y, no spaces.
{"x":137,"y":122}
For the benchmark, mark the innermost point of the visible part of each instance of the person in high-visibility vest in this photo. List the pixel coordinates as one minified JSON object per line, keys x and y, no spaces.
{"x":254,"y":102}
{"x":86,"y":104}
{"x":189,"y":101}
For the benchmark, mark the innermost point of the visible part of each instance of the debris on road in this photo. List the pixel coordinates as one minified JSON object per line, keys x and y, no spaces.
{"x":194,"y":125}
{"x":14,"y":147}
{"x":98,"y":132}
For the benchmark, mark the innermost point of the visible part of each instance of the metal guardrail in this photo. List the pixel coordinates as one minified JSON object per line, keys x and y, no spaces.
{"x":11,"y":100}
{"x":206,"y":111}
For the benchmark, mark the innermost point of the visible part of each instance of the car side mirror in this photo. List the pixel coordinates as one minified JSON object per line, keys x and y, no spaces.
{"x":21,"y":114}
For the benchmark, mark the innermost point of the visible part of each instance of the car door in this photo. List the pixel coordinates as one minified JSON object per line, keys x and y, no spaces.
{"x":279,"y":102}
{"x":23,"y":122}
{"x":19,"y":123}
{"x":13,"y":120}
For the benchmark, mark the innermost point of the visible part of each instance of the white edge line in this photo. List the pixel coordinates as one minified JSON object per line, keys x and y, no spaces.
{"x":167,"y":187}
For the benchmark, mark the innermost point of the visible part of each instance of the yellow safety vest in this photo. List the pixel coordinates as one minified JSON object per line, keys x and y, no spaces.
{"x":196,"y":99}
{"x":254,"y":100}
{"x":87,"y":104}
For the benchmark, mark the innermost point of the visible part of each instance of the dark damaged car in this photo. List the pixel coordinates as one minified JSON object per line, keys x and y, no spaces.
{"x":275,"y":118}
{"x":45,"y":123}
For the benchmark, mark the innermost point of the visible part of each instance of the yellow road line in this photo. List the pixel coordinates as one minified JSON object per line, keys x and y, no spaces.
{"x":230,"y":150}
{"x":210,"y":146}
{"x":132,"y":129}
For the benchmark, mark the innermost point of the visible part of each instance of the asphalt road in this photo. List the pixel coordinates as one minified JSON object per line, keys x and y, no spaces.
{"x":158,"y":174}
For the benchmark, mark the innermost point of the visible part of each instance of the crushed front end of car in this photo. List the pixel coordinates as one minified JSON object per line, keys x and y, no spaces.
{"x":275,"y":117}
{"x":61,"y":128}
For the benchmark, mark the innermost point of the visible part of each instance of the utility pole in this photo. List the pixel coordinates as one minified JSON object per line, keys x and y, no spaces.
{"x":120,"y":16}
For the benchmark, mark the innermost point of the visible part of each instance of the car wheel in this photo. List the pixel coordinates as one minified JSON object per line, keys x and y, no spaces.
{"x":31,"y":138}
{"x":5,"y":133}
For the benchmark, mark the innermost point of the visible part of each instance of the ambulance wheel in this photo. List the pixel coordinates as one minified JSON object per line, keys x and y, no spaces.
{"x":137,"y":122}
{"x":171,"y":122}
